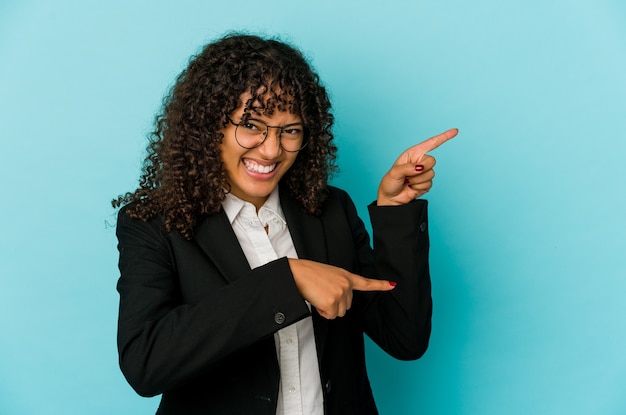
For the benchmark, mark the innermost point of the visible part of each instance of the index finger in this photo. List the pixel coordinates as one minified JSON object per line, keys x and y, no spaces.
{"x":367,"y":284}
{"x":434,"y":142}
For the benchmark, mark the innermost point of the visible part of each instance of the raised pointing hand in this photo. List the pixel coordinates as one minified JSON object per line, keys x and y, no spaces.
{"x":412,"y":173}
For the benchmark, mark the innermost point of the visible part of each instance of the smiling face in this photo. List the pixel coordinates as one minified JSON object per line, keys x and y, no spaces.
{"x":254,"y":173}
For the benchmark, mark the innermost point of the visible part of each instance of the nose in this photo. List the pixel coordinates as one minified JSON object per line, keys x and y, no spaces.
{"x":271,"y":145}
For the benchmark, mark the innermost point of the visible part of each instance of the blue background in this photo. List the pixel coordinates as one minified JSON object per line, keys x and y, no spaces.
{"x":527,"y":213}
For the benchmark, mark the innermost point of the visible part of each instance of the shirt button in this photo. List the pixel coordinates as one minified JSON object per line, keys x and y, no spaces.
{"x":292,"y":389}
{"x":279,"y":318}
{"x":289,"y":340}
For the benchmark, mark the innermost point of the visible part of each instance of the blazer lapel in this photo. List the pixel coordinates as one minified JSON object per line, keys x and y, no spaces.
{"x":217,"y":239}
{"x":309,"y":239}
{"x":307,"y":231}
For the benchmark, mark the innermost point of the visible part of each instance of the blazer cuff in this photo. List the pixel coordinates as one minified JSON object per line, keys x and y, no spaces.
{"x":400,"y":220}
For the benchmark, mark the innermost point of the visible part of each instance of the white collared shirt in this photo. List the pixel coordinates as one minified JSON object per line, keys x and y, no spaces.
{"x":300,"y":390}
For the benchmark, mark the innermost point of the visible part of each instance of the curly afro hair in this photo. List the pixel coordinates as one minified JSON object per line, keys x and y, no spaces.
{"x":183,"y":177}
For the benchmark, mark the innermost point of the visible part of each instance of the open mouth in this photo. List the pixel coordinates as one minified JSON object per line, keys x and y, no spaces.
{"x":259,"y":168}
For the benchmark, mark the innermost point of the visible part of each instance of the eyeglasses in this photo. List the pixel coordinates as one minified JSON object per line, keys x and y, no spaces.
{"x":252,"y":133}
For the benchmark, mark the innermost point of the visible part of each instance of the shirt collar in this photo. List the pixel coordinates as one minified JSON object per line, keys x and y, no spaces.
{"x":233,"y":206}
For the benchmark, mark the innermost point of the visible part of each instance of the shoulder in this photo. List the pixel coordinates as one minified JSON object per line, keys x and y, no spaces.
{"x":339,"y":202}
{"x":128,"y":214}
{"x":337,"y":192}
{"x":337,"y":195}
{"x":129,"y":223}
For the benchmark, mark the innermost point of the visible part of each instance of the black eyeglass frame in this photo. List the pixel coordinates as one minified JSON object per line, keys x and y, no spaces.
{"x":305,"y":134}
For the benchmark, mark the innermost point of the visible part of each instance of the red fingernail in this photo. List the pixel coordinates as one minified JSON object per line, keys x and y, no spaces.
{"x":419,"y":167}
{"x":393,"y":284}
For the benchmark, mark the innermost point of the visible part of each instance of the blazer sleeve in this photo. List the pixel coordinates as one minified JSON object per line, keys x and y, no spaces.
{"x":163,"y":340}
{"x":398,"y":321}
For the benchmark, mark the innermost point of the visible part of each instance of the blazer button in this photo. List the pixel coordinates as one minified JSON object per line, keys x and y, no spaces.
{"x":279,"y":318}
{"x":423,"y":226}
{"x":328,"y":385}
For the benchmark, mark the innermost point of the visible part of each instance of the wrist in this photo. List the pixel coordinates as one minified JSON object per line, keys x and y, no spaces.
{"x":384,"y":201}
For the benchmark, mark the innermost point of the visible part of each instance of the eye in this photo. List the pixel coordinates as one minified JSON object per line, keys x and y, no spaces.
{"x":293,"y":130}
{"x":252,"y":126}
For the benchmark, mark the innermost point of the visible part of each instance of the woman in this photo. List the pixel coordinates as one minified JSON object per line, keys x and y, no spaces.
{"x":247,"y":281}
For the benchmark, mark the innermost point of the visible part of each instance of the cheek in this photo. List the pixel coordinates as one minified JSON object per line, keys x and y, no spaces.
{"x":290,"y":161}
{"x":229,"y":156}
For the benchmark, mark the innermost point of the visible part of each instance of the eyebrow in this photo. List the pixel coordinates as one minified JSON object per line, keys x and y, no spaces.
{"x":284,"y":125}
{"x":254,"y":110}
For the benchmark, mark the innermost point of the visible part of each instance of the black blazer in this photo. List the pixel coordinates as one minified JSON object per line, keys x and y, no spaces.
{"x":196,"y":324}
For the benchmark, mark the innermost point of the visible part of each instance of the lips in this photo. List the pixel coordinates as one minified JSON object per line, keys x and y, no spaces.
{"x":259,"y":168}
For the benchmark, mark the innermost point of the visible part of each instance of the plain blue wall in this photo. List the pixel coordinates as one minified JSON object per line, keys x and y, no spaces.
{"x":527,"y":222}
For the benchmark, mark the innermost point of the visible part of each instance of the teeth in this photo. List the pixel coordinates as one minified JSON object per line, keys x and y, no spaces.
{"x":250,"y":165}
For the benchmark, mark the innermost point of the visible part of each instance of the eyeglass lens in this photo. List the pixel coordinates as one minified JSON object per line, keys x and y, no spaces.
{"x":252,"y":133}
